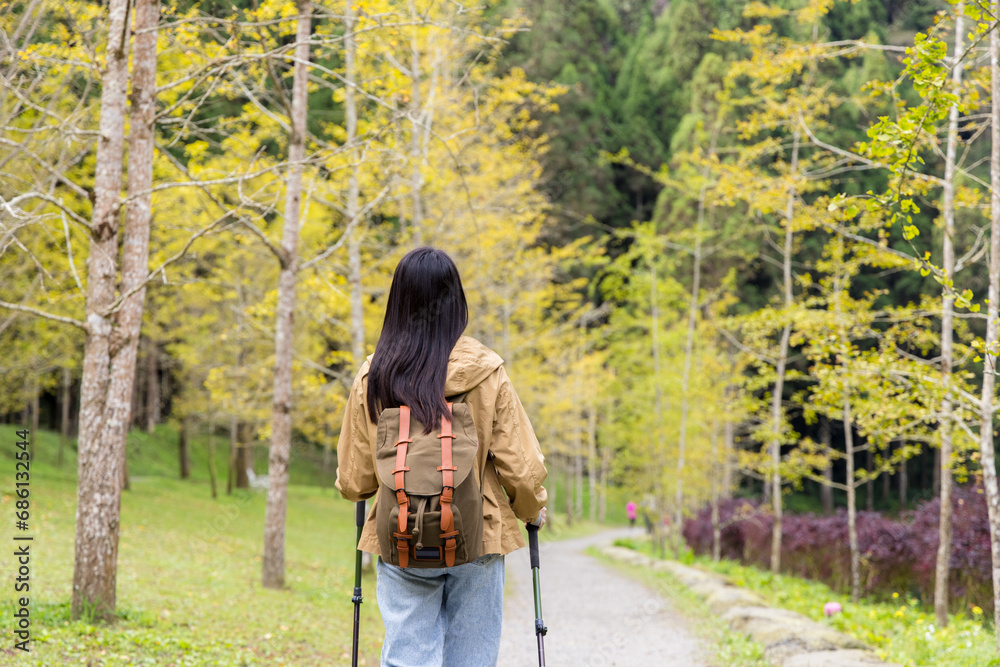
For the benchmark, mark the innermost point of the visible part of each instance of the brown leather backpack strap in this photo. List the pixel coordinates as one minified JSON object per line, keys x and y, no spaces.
{"x":447,"y":468}
{"x":402,"y":537}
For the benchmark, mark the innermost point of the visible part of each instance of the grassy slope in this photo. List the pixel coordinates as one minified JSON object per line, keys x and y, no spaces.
{"x":189,"y":572}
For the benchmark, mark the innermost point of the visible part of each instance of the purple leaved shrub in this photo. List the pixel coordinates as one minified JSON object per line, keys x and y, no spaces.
{"x":898,"y":555}
{"x":969,"y":581}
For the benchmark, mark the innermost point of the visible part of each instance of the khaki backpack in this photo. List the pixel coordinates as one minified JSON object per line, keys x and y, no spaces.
{"x":430,"y":502}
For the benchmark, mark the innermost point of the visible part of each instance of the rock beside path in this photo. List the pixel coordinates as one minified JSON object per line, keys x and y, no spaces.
{"x":722,"y":599}
{"x":789,"y":639}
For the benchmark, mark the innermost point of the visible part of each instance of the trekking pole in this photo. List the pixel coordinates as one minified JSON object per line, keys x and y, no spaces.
{"x":540,"y":628}
{"x":360,"y":521}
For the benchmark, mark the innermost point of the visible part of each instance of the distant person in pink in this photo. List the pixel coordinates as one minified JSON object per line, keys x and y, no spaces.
{"x":630,"y":509}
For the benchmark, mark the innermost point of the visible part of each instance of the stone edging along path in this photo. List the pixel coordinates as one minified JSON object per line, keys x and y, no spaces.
{"x":789,"y":639}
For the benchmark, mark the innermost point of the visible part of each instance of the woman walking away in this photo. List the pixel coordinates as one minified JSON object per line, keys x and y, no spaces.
{"x":434,"y":426}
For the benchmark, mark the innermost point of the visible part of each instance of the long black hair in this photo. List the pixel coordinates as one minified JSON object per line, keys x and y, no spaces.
{"x":425,"y":315}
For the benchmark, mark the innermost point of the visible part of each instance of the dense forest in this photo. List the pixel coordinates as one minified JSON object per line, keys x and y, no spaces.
{"x":727,"y":249}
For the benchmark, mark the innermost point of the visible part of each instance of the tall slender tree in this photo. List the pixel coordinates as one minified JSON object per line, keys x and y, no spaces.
{"x":778,"y":389}
{"x":273,"y":567}
{"x":944,"y":476}
{"x":113,"y":328}
{"x":986,"y":447}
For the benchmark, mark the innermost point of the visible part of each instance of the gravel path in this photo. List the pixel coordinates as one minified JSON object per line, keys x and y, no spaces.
{"x":596,"y":616}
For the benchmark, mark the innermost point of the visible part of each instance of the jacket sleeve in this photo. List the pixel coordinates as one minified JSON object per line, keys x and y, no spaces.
{"x":516,"y":454}
{"x":356,"y":478}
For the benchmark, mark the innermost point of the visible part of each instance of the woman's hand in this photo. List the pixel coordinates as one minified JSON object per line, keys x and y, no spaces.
{"x":540,"y":521}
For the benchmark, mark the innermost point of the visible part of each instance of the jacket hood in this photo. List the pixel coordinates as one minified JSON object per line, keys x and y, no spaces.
{"x":469,"y":363}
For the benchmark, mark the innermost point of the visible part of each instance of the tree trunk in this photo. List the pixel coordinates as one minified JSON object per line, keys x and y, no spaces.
{"x":826,"y":490}
{"x":661,"y":463}
{"x":569,"y":495}
{"x":166,"y":389}
{"x":152,"y":387}
{"x":244,"y":456}
{"x":903,"y":482}
{"x":727,"y":461}
{"x":416,"y":176}
{"x":236,"y":475}
{"x":182,"y":449}
{"x":728,"y":439}
{"x":111,"y":341}
{"x":852,"y":512}
{"x":327,"y":461}
{"x":870,"y":484}
{"x":234,"y":438}
{"x":592,"y":460}
{"x":605,"y":470}
{"x":714,"y":484}
{"x":943,"y":477}
{"x":64,"y":418}
{"x":848,"y":424}
{"x":353,"y":209}
{"x":273,"y":570}
{"x":353,"y":188}
{"x":211,"y":453}
{"x":886,"y":484}
{"x":986,"y":450}
{"x":578,"y":478}
{"x":35,"y":407}
{"x":688,"y":354}
{"x":26,"y":408}
{"x":779,"y":380}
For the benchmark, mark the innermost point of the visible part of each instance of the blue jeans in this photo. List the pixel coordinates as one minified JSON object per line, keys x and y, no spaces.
{"x":441,"y":615}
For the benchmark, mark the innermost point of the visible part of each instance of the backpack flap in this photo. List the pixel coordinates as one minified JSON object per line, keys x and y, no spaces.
{"x":423,"y":455}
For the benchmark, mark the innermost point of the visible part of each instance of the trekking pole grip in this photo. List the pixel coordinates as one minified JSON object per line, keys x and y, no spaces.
{"x":360,"y":516}
{"x":533,"y":544}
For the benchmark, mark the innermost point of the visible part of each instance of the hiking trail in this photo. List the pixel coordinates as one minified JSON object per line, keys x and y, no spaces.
{"x":597,"y":616}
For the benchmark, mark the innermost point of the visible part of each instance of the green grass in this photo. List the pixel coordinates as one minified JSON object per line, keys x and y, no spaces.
{"x":156,"y":454}
{"x":732,"y":649}
{"x":189,"y":572}
{"x":900,"y":631}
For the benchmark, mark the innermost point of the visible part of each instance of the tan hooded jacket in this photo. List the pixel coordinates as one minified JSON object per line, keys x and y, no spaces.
{"x":509,"y":458}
